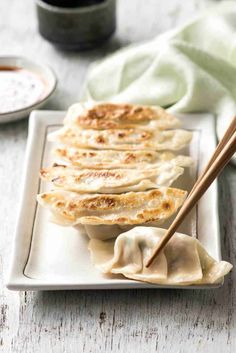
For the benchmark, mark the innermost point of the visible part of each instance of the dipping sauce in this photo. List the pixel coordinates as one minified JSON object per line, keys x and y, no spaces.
{"x":19,"y":88}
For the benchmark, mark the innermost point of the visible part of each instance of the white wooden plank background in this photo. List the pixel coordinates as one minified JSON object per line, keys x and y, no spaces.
{"x":91,"y":321}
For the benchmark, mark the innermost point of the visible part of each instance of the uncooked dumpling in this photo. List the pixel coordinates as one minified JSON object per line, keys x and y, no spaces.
{"x":128,"y":208}
{"x":110,"y":180}
{"x":122,"y":139}
{"x":99,"y":116}
{"x":111,"y":159}
{"x":183,"y":261}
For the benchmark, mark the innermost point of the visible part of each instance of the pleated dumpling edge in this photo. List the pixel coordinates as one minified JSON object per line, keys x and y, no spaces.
{"x":184,"y":260}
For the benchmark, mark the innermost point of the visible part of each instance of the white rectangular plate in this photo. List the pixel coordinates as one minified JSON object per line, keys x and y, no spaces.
{"x":47,"y":256}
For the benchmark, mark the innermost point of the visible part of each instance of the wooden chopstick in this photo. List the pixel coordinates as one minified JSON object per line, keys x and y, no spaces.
{"x":219,"y":161}
{"x":229,"y":132}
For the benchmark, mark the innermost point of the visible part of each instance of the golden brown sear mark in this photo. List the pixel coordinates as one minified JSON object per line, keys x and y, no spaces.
{"x":102,"y":202}
{"x":121,"y":134}
{"x":103,"y":174}
{"x":108,"y":115}
{"x":130,"y":158}
{"x":100,"y":139}
{"x":166,"y":205}
{"x":155,"y":193}
{"x":60,"y":203}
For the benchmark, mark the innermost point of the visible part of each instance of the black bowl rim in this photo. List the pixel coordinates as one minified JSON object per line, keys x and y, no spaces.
{"x":73,"y":10}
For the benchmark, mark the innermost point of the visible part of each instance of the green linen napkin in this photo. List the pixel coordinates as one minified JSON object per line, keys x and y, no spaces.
{"x":189,"y":69}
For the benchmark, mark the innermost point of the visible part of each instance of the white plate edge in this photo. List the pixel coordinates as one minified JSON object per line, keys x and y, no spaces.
{"x":15,"y":283}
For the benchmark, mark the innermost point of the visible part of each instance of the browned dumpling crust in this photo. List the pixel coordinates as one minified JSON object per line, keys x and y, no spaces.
{"x":129,"y":208}
{"x":109,"y":159}
{"x":110,"y":180}
{"x":125,"y":139}
{"x":118,"y":116}
{"x":115,"y":165}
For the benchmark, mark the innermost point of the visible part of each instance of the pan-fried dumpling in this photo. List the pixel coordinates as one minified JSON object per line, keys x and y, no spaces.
{"x":118,"y":139}
{"x":130,"y":208}
{"x":183,"y":261}
{"x":109,"y":159}
{"x":103,"y":116}
{"x":110,"y":180}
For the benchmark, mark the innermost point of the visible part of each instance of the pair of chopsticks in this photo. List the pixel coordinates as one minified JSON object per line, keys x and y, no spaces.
{"x":221,"y":156}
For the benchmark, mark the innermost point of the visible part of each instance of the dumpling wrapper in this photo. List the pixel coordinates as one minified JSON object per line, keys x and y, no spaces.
{"x":104,"y":232}
{"x":122,"y":139}
{"x":129,"y":208}
{"x":101,"y":116}
{"x":184,"y":261}
{"x":112,"y":159}
{"x":110,"y":181}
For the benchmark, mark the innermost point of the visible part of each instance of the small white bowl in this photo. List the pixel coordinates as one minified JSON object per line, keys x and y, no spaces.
{"x":43,"y":71}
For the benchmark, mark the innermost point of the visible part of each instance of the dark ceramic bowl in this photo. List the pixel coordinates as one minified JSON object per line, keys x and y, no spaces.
{"x":78,"y":27}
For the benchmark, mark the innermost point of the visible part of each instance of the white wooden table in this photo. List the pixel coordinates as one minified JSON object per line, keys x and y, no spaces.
{"x":102,"y":321}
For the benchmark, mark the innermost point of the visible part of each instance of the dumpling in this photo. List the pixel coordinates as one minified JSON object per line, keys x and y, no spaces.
{"x":110,"y":180}
{"x":183,"y":261}
{"x":109,"y":159}
{"x":104,"y":232}
{"x":89,"y":115}
{"x":126,"y":139}
{"x":130,"y":208}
